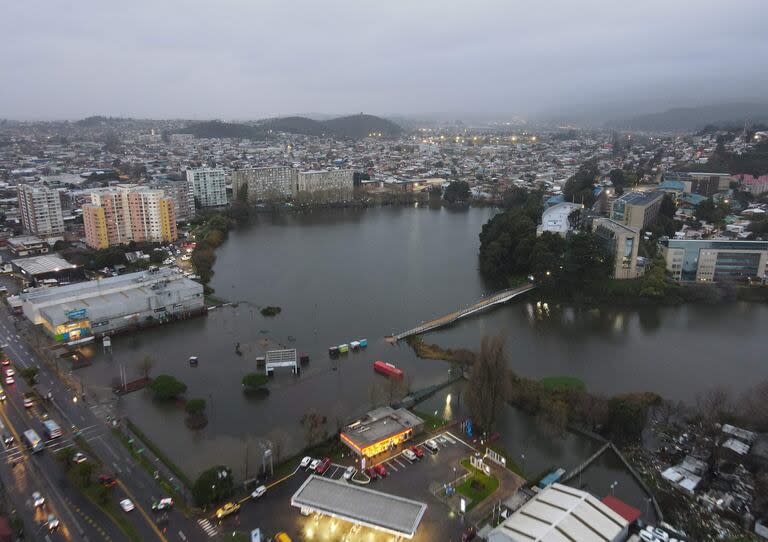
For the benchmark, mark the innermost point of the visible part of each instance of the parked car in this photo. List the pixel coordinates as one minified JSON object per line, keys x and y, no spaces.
{"x":314,"y":464}
{"x":323,"y":466}
{"x":418,"y":451}
{"x":6,"y":362}
{"x":29,"y":400}
{"x":380,"y":470}
{"x":126,"y":505}
{"x":9,"y":371}
{"x":409,"y":455}
{"x":442,"y":440}
{"x":107,"y":481}
{"x":431,"y":445}
{"x":227,"y":509}
{"x":258,"y":492}
{"x":79,"y":457}
{"x":38,"y":499}
{"x":305,"y":462}
{"x":371,"y":473}
{"x":349,"y":473}
{"x":163,"y":504}
{"x":10,"y":380}
{"x":468,"y":535}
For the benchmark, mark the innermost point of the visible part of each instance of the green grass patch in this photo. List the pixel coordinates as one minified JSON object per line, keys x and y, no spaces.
{"x":431,"y":422}
{"x":563,"y":383}
{"x":271,"y":311}
{"x":182,"y":477}
{"x":478,"y":486}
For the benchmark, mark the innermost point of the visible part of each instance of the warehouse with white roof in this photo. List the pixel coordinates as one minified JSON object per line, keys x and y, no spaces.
{"x":562,"y":514}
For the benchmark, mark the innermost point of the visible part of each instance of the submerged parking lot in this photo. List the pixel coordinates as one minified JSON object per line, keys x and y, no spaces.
{"x":417,"y":480}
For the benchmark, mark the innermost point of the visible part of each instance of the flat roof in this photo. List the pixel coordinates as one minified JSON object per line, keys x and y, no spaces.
{"x":640,"y":198}
{"x":36,"y":265}
{"x":380,"y":424}
{"x":561,"y":513}
{"x":360,"y":505}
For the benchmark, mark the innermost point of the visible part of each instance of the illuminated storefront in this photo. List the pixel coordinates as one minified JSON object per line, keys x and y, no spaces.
{"x":381,"y":430}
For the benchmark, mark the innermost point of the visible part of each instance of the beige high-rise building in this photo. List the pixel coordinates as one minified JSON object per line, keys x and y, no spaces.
{"x":128,"y":213}
{"x":40,"y":210}
{"x":622,"y":242}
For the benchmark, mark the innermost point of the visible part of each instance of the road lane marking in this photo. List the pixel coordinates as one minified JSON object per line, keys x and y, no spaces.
{"x":142,"y":511}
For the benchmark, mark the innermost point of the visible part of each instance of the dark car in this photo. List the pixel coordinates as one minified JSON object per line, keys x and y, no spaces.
{"x":469,"y":534}
{"x":323,"y":466}
{"x":380,"y":470}
{"x":371,"y":473}
{"x":107,"y":481}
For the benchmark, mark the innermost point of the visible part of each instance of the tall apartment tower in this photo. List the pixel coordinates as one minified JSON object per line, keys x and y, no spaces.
{"x":128,"y":213}
{"x":265,"y":183}
{"x":40,"y":210}
{"x":208,"y":186}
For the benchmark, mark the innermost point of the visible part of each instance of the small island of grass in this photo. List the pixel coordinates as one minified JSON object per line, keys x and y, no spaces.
{"x":271,"y":311}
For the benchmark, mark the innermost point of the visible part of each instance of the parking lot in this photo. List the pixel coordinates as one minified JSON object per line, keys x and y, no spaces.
{"x":416,"y":480}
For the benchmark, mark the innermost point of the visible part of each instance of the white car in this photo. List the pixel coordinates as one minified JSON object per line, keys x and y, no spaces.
{"x":258,"y":492}
{"x":10,"y":372}
{"x":431,"y":445}
{"x":52,"y":522}
{"x":38,"y":499}
{"x":10,"y":380}
{"x":305,"y":462}
{"x":315,"y":463}
{"x":163,"y":504}
{"x":409,"y":455}
{"x":79,"y":457}
{"x":646,"y":536}
{"x":126,"y":505}
{"x":661,"y":534}
{"x":349,"y":473}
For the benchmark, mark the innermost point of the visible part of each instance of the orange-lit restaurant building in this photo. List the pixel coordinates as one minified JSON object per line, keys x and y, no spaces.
{"x":381,"y":430}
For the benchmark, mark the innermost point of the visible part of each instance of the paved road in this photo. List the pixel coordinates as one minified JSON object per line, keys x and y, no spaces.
{"x":134,"y":482}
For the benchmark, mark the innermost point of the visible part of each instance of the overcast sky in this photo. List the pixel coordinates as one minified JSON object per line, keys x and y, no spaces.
{"x":241,"y":59}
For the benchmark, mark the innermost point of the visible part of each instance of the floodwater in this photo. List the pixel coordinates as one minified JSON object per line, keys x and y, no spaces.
{"x":341,"y":275}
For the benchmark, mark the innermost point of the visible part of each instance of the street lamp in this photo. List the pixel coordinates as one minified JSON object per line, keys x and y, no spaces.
{"x":613,"y":486}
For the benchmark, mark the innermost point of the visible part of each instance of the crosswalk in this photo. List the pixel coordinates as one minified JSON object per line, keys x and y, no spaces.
{"x":16,"y":451}
{"x":208,"y":527}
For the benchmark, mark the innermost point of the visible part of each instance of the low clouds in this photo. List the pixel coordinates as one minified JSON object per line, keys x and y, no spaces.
{"x":254,"y":58}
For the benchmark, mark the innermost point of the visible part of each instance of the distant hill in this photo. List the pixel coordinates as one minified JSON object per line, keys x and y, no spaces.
{"x":215,"y":128}
{"x":695,"y":118}
{"x":296,"y":125}
{"x":350,"y":127}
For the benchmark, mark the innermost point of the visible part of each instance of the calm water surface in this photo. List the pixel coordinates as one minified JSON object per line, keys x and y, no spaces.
{"x":342,"y":275}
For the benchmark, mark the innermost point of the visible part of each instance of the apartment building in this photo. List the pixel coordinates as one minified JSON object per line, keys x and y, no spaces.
{"x":327,"y":185}
{"x":622,"y":242}
{"x":637,"y":209}
{"x":715,"y":260}
{"x":127,"y":213}
{"x":265,"y":183}
{"x":208,"y":186}
{"x":183,"y":200}
{"x":40,"y":210}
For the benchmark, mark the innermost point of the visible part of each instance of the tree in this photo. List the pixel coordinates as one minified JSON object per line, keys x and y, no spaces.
{"x":213,"y":485}
{"x":146,"y":365}
{"x":158,"y":256}
{"x":195,"y":407}
{"x":83,"y":472}
{"x":457,"y":192}
{"x":625,"y":420}
{"x":488,"y":383}
{"x":553,"y":417}
{"x":314,"y":426}
{"x":166,"y":387}
{"x":668,"y":206}
{"x":579,"y":187}
{"x":253,"y":381}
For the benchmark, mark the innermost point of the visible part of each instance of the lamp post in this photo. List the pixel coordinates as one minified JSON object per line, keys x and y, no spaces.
{"x":613,"y":486}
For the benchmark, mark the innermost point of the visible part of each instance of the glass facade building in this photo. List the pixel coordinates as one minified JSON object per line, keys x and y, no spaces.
{"x":715,"y":260}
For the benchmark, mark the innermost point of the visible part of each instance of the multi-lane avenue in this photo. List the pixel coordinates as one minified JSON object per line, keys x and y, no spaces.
{"x":24,"y":472}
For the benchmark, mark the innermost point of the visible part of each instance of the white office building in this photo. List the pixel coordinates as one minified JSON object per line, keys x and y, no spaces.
{"x":556,"y":219}
{"x":208,"y":186}
{"x":40,"y":210}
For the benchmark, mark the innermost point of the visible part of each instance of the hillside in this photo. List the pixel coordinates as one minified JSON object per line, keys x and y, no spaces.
{"x":296,"y":125}
{"x":695,"y":118}
{"x":215,"y":128}
{"x":359,"y":126}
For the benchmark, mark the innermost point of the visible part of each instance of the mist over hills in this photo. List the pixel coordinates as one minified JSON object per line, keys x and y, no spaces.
{"x":695,"y":118}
